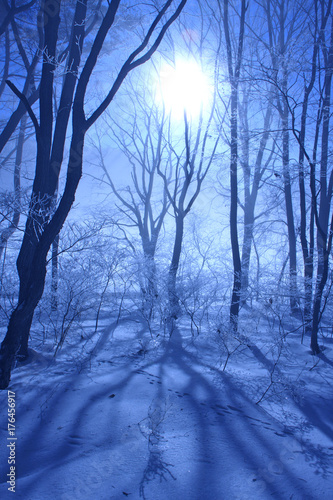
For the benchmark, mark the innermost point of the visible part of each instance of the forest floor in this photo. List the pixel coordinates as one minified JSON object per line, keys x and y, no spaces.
{"x":122,"y":414}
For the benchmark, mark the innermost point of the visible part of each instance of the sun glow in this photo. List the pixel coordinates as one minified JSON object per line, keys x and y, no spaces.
{"x":184,"y":88}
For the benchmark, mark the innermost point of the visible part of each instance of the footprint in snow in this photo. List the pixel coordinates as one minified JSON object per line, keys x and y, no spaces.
{"x":75,"y":440}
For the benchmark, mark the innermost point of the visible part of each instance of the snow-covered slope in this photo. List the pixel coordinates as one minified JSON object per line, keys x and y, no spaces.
{"x":121,"y":416}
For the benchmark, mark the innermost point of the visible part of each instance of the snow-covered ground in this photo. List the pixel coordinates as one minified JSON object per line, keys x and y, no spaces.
{"x":124,"y":415}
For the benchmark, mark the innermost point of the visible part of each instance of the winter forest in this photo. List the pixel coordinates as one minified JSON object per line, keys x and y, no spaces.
{"x":166,"y":228}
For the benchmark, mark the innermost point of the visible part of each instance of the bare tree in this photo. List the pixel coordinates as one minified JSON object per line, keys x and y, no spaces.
{"x":183,"y":174}
{"x":20,"y":59}
{"x":11,"y":11}
{"x":285,"y":23}
{"x":307,"y":223}
{"x":253,"y":177}
{"x":234,"y":61}
{"x":321,"y":183}
{"x":322,"y":209}
{"x":12,"y":225}
{"x":18,"y":62}
{"x":143,"y":204}
{"x":44,"y":221}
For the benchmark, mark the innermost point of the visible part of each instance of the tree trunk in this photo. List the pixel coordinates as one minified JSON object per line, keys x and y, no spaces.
{"x":324,"y":237}
{"x":322,"y":273}
{"x":15,"y":343}
{"x":234,"y":74}
{"x":41,"y":227}
{"x":235,"y":298}
{"x":54,"y":283}
{"x":289,"y":206}
{"x":251,"y":192}
{"x":172,"y":276}
{"x":32,"y":279}
{"x":246,"y":250}
{"x":307,"y":250}
{"x":308,"y":247}
{"x":149,"y":288}
{"x":7,"y":233}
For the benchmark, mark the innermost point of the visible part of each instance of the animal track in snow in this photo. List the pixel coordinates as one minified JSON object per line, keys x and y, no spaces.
{"x":75,"y":440}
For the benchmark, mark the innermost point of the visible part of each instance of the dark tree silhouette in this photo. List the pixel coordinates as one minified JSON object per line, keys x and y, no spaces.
{"x":234,"y":60}
{"x":44,"y":220}
{"x":307,"y":224}
{"x":285,"y":25}
{"x":320,"y":200}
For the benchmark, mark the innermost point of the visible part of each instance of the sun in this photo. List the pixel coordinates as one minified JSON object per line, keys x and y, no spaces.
{"x":184,"y":88}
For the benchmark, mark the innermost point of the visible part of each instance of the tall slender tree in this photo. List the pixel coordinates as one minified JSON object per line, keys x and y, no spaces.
{"x":322,"y":214}
{"x":234,"y":60}
{"x":183,"y":174}
{"x":143,"y":204}
{"x":321,"y":183}
{"x":284,"y":28}
{"x":253,"y":177}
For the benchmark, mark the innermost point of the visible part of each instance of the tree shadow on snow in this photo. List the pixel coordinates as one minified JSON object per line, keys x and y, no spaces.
{"x":234,"y":450}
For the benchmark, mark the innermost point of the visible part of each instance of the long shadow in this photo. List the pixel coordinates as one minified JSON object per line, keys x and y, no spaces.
{"x":59,"y":401}
{"x":308,"y":406}
{"x":324,"y":358}
{"x":184,"y":361}
{"x":230,"y":428}
{"x":230,"y":424}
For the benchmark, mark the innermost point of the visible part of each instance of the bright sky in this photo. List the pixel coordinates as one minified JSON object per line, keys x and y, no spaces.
{"x":184,"y":86}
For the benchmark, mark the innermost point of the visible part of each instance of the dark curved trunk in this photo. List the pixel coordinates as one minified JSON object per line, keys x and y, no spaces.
{"x":42,"y":227}
{"x":173,"y":269}
{"x":32,"y":278}
{"x":15,"y":343}
{"x":18,"y":114}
